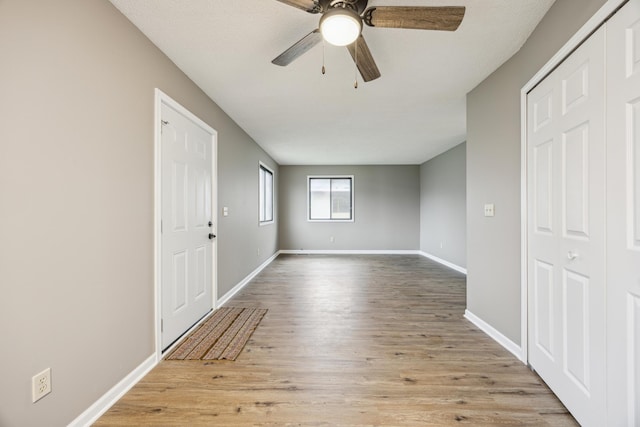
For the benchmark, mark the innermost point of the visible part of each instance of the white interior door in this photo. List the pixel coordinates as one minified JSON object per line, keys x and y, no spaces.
{"x":623,"y":209}
{"x":566,"y":231}
{"x":187,"y":223}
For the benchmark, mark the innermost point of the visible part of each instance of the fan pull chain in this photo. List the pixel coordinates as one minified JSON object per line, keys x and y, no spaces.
{"x":355,"y":85}
{"x":323,"y":69}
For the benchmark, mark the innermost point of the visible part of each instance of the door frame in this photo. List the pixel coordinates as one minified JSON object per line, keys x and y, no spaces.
{"x":160,"y":99}
{"x":599,"y":18}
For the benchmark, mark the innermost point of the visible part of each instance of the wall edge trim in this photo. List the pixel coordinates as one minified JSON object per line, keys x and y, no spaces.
{"x":444,"y":262}
{"x":496,"y":335}
{"x":102,"y":405}
{"x":244,"y":282}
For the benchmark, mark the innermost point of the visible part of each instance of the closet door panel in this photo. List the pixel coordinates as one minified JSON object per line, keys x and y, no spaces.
{"x":623,"y":216}
{"x":633,"y":153}
{"x":575,"y":182}
{"x":566,"y":231}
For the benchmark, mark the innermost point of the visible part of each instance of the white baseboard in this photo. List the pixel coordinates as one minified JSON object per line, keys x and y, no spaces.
{"x":246,"y":280}
{"x":101,"y":406}
{"x":91,"y":414}
{"x":348,"y":252}
{"x":374,"y":252}
{"x":509,"y":345}
{"x":444,"y":262}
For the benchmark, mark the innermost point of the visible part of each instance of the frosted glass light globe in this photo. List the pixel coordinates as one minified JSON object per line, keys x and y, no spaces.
{"x":340,"y":27}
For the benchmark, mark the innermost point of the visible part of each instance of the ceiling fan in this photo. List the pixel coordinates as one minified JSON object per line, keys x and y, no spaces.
{"x":341,"y":25}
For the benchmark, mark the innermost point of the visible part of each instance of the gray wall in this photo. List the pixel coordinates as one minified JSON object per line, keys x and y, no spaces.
{"x":77,"y":86}
{"x":242,"y":244}
{"x":443,"y":206}
{"x":387,"y":209}
{"x":493,"y":169}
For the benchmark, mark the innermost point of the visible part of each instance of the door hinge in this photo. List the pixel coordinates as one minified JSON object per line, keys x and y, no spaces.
{"x":161,"y":325}
{"x":160,"y":226}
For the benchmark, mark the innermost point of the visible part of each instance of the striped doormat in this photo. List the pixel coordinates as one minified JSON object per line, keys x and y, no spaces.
{"x":222,"y":336}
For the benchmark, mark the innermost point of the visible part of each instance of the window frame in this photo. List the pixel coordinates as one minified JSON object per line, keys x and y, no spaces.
{"x":330,"y":177}
{"x":262,"y":206}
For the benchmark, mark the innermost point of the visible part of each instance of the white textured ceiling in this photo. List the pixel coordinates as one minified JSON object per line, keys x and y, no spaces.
{"x":415,"y":111}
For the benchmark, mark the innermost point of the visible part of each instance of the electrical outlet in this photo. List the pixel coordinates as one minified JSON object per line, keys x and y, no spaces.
{"x":331,"y":239}
{"x":489,"y":209}
{"x":41,"y":385}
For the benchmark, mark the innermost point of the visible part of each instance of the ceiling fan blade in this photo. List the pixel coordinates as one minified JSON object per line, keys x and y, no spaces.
{"x":301,"y":46}
{"x":307,"y":5}
{"x":446,"y":18}
{"x":364,"y":60}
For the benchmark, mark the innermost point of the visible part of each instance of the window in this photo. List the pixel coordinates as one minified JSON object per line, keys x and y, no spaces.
{"x":266,"y":195}
{"x":330,"y":198}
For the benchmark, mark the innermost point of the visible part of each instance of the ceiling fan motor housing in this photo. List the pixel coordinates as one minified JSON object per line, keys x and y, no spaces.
{"x":357,"y":6}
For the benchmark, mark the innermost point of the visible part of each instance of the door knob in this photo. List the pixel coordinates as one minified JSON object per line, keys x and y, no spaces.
{"x":572,"y":255}
{"x":212,"y":236}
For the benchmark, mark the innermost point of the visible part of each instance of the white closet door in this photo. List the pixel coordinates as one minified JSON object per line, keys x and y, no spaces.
{"x":566,"y":230}
{"x":623,"y":211}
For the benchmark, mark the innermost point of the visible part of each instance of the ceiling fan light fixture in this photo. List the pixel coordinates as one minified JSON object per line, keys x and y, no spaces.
{"x":340,"y":26}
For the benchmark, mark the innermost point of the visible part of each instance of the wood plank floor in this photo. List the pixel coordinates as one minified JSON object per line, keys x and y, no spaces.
{"x":375,"y":340}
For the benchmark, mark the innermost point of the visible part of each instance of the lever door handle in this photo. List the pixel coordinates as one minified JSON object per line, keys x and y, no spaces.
{"x":212,"y":236}
{"x":572,"y":255}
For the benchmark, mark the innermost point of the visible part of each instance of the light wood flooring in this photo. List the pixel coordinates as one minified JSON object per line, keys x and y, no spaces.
{"x":375,"y":340}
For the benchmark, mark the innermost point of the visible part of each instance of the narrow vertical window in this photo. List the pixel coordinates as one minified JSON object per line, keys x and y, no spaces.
{"x":266,"y":195}
{"x":330,"y":198}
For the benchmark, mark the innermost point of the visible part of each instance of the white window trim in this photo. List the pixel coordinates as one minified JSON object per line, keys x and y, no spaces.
{"x":273,"y":195}
{"x":353,"y":206}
